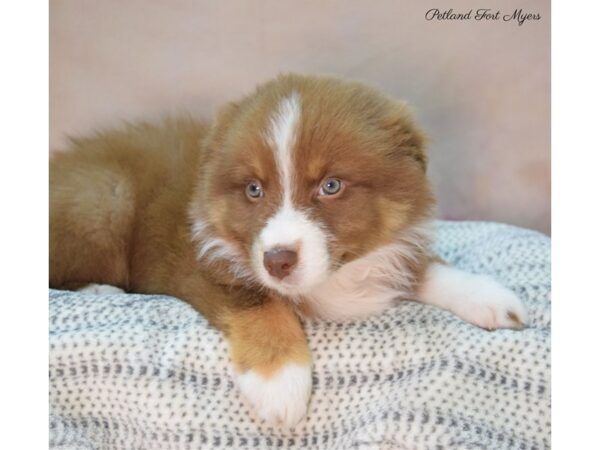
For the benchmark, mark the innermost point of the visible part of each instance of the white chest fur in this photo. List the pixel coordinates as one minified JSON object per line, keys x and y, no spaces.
{"x":372,"y":283}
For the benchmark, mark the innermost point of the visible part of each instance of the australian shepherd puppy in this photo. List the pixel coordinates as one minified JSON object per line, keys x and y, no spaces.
{"x":309,"y":197}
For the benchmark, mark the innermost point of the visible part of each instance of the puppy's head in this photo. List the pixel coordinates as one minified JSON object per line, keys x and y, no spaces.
{"x":306,"y":175}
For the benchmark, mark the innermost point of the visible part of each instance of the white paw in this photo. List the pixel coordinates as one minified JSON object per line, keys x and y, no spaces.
{"x":282,"y":398}
{"x":477,"y":299}
{"x":101,"y":289}
{"x":490,"y":305}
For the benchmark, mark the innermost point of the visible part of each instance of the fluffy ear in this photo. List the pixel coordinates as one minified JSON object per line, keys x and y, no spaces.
{"x":227,"y":111}
{"x":408,"y":138}
{"x":225,"y":116}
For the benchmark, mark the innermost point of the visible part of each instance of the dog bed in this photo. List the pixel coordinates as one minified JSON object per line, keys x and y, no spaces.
{"x":131,"y":371}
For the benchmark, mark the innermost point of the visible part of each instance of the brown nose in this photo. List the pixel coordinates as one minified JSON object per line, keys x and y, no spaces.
{"x":280,"y":262}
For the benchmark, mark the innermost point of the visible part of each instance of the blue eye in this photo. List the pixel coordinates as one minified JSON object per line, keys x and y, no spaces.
{"x":331,"y":186}
{"x":254,"y":190}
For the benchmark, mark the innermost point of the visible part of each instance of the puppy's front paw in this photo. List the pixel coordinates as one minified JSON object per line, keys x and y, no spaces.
{"x":280,"y":398}
{"x":490,"y":305}
{"x":477,"y":299}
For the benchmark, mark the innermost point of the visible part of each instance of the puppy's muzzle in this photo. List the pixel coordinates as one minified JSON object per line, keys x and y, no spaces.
{"x":280,"y":262}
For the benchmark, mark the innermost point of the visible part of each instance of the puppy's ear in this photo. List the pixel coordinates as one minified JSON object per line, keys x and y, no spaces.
{"x":223,"y":120}
{"x":227,"y":111}
{"x":408,"y":138}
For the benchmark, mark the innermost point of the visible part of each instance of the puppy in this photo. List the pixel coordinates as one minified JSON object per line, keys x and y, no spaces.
{"x":309,"y":197}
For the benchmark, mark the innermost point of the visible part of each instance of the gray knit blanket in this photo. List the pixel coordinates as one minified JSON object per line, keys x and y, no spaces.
{"x":147,"y":372}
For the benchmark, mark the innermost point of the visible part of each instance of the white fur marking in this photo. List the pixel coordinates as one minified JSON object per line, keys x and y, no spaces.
{"x":477,"y":299}
{"x":290,"y":227}
{"x":218,"y":249}
{"x":213,"y":249}
{"x":284,"y":125}
{"x":100,"y":289}
{"x":373,"y":283}
{"x":280,"y":399}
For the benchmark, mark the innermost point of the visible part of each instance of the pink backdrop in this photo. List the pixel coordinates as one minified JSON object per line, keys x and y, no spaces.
{"x":480,"y":89}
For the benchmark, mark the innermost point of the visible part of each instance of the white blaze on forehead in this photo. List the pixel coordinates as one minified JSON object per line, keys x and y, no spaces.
{"x":290,"y":227}
{"x":282,"y":137}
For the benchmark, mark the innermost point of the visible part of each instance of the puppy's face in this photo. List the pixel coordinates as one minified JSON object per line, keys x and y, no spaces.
{"x":306,"y":175}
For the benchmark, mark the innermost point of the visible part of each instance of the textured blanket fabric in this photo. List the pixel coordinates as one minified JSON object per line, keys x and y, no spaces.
{"x":147,"y":372}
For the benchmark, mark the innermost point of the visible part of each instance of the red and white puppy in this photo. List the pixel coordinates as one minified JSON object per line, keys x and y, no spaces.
{"x":307,"y":197}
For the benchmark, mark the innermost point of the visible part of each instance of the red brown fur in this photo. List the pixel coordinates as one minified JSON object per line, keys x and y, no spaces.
{"x":122,"y":204}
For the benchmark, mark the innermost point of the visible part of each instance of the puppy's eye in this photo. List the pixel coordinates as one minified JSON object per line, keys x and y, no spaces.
{"x":331,"y":186}
{"x":254,"y":190}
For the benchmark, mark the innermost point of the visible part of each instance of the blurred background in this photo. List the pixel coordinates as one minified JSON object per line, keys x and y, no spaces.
{"x":481,"y":90}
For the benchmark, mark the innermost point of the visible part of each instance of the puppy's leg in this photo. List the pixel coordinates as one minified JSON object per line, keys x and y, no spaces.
{"x":477,"y":299}
{"x":271,"y":360}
